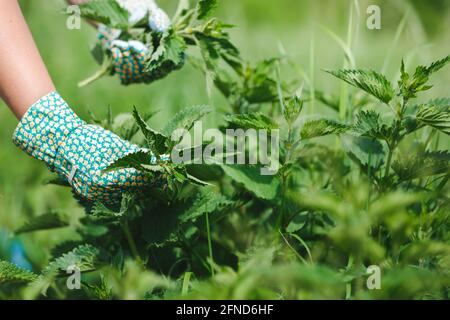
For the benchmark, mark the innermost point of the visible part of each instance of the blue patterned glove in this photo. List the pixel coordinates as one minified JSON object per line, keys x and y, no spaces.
{"x":50,"y":131}
{"x":129,"y":56}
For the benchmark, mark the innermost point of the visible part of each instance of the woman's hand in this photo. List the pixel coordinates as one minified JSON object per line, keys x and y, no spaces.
{"x":50,"y":131}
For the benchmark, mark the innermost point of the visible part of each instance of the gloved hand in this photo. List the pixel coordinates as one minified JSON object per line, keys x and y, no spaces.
{"x":50,"y":131}
{"x":129,"y":56}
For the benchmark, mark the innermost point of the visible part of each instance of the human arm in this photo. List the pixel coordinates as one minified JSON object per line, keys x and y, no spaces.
{"x":49,"y":130}
{"x":23,"y":76}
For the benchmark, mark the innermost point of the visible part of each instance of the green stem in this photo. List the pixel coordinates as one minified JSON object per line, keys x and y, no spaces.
{"x":208,"y":231}
{"x":131,"y":242}
{"x":186,"y":280}
{"x":348,"y":286}
{"x":369,"y":174}
{"x":389,"y":162}
{"x":105,"y":69}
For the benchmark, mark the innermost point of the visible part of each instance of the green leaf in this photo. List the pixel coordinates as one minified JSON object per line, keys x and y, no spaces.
{"x":85,"y":257}
{"x":207,"y":201}
{"x":159,"y":230}
{"x":174,"y":49}
{"x":185,"y":119}
{"x":108,"y":12}
{"x":434,"y":117}
{"x":422,"y":165}
{"x":101,"y":291}
{"x":368,"y":124}
{"x":127,"y":209}
{"x":156,"y":141}
{"x":368,"y":80}
{"x":410,"y":86}
{"x":250,"y":177}
{"x":292,"y":108}
{"x":50,"y":220}
{"x":98,"y":53}
{"x":133,"y":160}
{"x":168,"y":56}
{"x":126,"y":127}
{"x":437,"y":65}
{"x":322,"y":127}
{"x":255,"y":120}
{"x":363,"y":149}
{"x":205,"y":8}
{"x":298,"y":222}
{"x":10,"y":273}
{"x":442,"y":104}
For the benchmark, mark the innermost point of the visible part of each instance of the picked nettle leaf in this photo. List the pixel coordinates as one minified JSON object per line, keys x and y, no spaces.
{"x":157,"y":142}
{"x":205,"y":8}
{"x":108,"y":12}
{"x":138,"y":160}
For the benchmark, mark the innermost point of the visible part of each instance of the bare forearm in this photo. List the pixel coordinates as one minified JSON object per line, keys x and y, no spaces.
{"x":77,"y":1}
{"x":23,"y":76}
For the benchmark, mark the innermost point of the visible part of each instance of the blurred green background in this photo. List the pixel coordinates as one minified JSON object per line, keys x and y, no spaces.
{"x":264,"y":29}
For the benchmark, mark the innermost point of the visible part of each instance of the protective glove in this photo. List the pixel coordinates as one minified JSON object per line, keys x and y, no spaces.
{"x":50,"y":131}
{"x":129,"y":56}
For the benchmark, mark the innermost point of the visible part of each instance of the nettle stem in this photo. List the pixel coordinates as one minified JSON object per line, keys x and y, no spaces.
{"x":389,"y":161}
{"x":104,"y":70}
{"x":288,"y":146}
{"x":131,"y":242}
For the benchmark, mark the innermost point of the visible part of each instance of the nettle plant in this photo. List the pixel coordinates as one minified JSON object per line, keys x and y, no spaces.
{"x":371,"y":189}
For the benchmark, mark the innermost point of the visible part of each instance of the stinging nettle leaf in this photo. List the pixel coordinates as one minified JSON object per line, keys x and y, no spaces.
{"x":363,"y":149}
{"x":411,"y":85}
{"x":205,"y":8}
{"x":368,"y":124}
{"x":10,"y":273}
{"x":85,"y":257}
{"x":422,"y":165}
{"x":50,"y":220}
{"x":207,"y":201}
{"x":108,"y":12}
{"x":255,"y":120}
{"x":156,"y":141}
{"x":186,"y":118}
{"x":370,"y":81}
{"x":434,"y":117}
{"x":133,"y":160}
{"x":322,"y":127}
{"x":264,"y":187}
{"x":437,"y":65}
